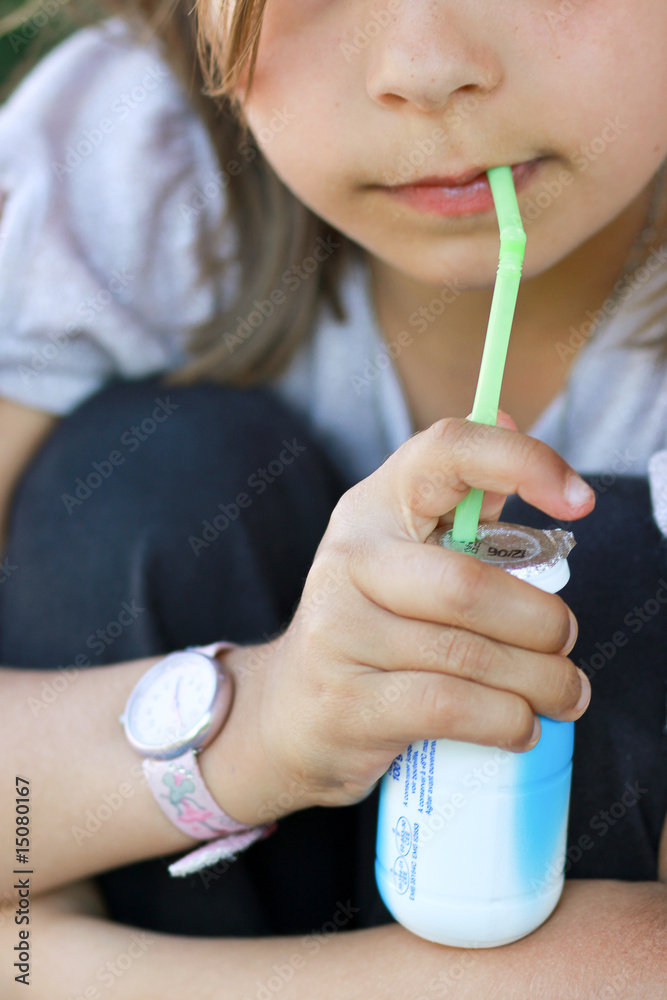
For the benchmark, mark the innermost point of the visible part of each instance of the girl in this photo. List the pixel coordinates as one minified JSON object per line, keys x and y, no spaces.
{"x":333,"y":267}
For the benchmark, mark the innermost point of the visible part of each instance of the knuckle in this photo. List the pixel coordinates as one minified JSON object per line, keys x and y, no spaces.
{"x":420,"y":491}
{"x":461,"y":583}
{"x":469,"y":656}
{"x":443,"y":444}
{"x":445,"y":430}
{"x":461,"y":438}
{"x":437,"y":650}
{"x":453,"y":438}
{"x":426,"y":469}
{"x":342,"y":548}
{"x":439,"y":702}
{"x":525,"y":449}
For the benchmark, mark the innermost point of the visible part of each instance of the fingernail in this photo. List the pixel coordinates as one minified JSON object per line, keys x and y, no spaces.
{"x":585,"y":696}
{"x":535,"y":735}
{"x":572,"y":638}
{"x":577,"y":492}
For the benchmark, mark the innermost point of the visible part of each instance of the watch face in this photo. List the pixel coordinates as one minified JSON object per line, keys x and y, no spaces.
{"x":177,"y":704}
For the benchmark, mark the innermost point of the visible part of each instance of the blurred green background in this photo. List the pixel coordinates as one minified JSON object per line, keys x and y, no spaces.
{"x":6,"y":59}
{"x":28,"y":29}
{"x":9,"y":54}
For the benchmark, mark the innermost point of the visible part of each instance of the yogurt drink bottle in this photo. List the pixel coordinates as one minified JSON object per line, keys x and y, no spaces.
{"x":471,"y":839}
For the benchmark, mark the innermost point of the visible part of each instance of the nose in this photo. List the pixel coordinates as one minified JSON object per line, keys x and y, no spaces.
{"x":430,"y":53}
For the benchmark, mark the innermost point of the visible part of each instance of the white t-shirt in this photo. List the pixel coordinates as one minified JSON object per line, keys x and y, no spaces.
{"x":101,"y":156}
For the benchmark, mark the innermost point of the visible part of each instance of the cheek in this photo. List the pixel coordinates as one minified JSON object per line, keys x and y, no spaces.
{"x":293,"y":61}
{"x":299,"y":105}
{"x":623,"y":137}
{"x":597,"y":95}
{"x":301,"y":71}
{"x":608,"y":64}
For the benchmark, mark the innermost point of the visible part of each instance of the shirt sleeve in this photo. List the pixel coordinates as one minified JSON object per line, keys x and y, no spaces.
{"x":102,"y":167}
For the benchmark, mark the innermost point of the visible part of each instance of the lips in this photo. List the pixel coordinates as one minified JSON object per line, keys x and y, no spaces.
{"x":455,"y":181}
{"x":465,"y":193}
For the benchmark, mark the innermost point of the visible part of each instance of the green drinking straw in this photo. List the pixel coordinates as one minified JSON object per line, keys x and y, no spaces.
{"x":506,"y":289}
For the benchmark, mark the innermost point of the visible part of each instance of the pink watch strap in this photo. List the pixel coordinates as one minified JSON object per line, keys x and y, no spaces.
{"x":179,"y":788}
{"x":215,"y":850}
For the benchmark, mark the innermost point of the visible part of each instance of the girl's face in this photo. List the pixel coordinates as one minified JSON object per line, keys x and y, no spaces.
{"x":353,"y":97}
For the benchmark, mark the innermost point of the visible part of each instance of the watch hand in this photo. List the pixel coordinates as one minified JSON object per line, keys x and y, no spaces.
{"x":176,"y":705}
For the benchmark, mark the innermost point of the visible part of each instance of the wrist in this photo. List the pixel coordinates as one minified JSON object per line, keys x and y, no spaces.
{"x":240,"y":766}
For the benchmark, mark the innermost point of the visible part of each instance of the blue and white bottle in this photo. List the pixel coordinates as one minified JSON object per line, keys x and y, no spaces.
{"x":471,"y":839}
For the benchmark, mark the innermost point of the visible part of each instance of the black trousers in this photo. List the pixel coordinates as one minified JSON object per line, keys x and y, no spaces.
{"x":157,"y":518}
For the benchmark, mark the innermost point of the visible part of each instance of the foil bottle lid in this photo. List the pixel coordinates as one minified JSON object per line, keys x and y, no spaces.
{"x":522,"y":551}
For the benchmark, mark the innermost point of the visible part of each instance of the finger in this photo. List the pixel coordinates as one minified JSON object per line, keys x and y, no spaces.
{"x":504,"y":420}
{"x":492,"y":503}
{"x":491,"y":509}
{"x":439,"y":585}
{"x":433,"y":470}
{"x":438,"y":706}
{"x":550,"y":683}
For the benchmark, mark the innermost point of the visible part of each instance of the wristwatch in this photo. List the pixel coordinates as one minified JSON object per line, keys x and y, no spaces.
{"x":174,"y":711}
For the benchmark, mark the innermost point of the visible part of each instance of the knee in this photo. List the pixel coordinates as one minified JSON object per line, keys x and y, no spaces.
{"x":140,"y":452}
{"x":170,"y":427}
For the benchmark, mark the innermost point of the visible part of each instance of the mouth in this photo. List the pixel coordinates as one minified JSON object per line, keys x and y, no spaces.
{"x":466,"y":193}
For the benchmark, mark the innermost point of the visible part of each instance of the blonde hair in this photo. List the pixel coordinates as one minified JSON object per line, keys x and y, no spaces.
{"x":276,"y":229}
{"x":211,"y":54}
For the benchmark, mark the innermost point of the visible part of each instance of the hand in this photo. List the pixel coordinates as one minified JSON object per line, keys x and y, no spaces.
{"x":394,"y":640}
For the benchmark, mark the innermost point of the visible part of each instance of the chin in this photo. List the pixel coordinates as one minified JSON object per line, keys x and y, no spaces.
{"x":467,"y":271}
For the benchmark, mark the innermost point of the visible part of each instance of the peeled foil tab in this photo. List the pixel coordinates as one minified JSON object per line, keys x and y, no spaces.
{"x":519,"y":550}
